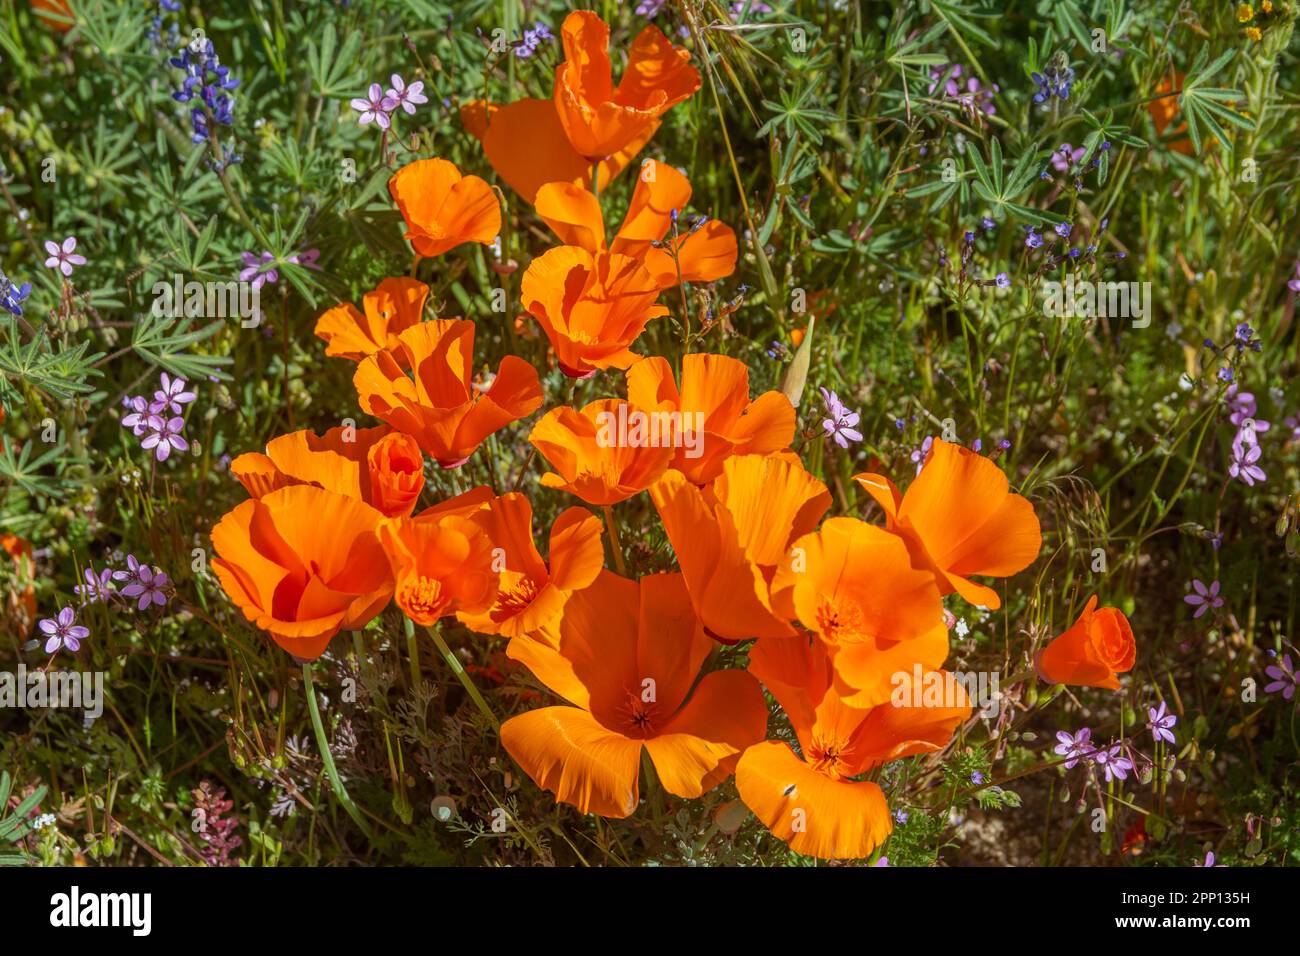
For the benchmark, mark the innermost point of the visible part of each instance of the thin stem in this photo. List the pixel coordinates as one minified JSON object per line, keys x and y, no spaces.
{"x":615,"y":544}
{"x":327,"y":758}
{"x":465,"y":680}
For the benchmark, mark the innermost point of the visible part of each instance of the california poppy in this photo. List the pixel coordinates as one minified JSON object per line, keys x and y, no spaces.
{"x":600,"y":118}
{"x":379,"y":466}
{"x":714,"y":396}
{"x":703,"y":254}
{"x":1097,"y":646}
{"x":591,"y":307}
{"x":1164,"y":110}
{"x":441,"y":564}
{"x":855,"y":586}
{"x":730,"y":537}
{"x":20,"y":600}
{"x":442,"y":208}
{"x":531,"y":593}
{"x":813,"y":803}
{"x":548,"y":156}
{"x":303,"y":563}
{"x":626,"y":656}
{"x":590,"y":459}
{"x":960,"y":518}
{"x":55,"y":14}
{"x":393,"y":307}
{"x":437,"y":404}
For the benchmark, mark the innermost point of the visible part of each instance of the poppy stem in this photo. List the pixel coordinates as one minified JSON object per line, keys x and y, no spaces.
{"x":615,"y":545}
{"x":466,"y":681}
{"x":595,"y":179}
{"x":327,"y":758}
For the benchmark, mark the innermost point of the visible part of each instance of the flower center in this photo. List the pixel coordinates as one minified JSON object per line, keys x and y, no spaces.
{"x":423,"y":597}
{"x":839,"y":622}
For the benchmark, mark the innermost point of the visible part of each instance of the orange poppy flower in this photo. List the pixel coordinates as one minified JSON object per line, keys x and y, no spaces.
{"x":531,"y":594}
{"x":591,"y":458}
{"x":813,"y":804}
{"x":55,"y":14}
{"x":394,"y":306}
{"x":959,"y":517}
{"x":600,"y":118}
{"x":855,"y":586}
{"x":730,"y":537}
{"x":438,"y":405}
{"x":20,"y":602}
{"x":379,"y":466}
{"x":714,"y":402}
{"x":591,"y":307}
{"x":1165,"y":110}
{"x":1097,"y":646}
{"x":441,"y":563}
{"x":442,"y":208}
{"x":703,"y":254}
{"x":549,"y":156}
{"x":303,"y":563}
{"x":626,"y":656}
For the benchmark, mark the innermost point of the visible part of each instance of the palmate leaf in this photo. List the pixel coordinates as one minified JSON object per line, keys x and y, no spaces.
{"x":21,"y":469}
{"x":1001,"y":191}
{"x":958,"y":16}
{"x":163,"y":341}
{"x":14,"y":826}
{"x":333,"y":68}
{"x":64,"y":373}
{"x":1205,"y":106}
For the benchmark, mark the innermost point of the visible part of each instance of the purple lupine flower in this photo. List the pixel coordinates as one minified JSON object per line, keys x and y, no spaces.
{"x":164,"y":435}
{"x":207,"y":81}
{"x":148,"y":587}
{"x":1244,"y":463}
{"x":63,"y":631}
{"x":1294,"y":284}
{"x":406,"y":97}
{"x":839,"y":425}
{"x":172,"y":397}
{"x":919,"y":454}
{"x":97,"y":587}
{"x":138,"y":418}
{"x":375,"y":107}
{"x":1161,"y":723}
{"x":1054,"y":81}
{"x":1205,"y":598}
{"x":64,"y":257}
{"x":260,"y":270}
{"x":1284,"y":678}
{"x":1073,"y":746}
{"x":1113,"y":762}
{"x":12,"y":296}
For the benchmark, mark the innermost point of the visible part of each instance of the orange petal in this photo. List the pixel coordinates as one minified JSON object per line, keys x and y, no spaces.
{"x":700,"y":747}
{"x":258,"y":474}
{"x":576,"y":551}
{"x":573,"y":214}
{"x":815,"y":814}
{"x":671,"y":643}
{"x":568,"y":752}
{"x":442,"y":208}
{"x":920,"y":718}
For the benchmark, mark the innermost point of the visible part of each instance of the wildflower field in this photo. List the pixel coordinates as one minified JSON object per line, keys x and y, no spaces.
{"x":672,"y":433}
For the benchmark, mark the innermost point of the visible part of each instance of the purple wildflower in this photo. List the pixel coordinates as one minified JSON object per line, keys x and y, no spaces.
{"x":258,"y":270}
{"x":918,"y":455}
{"x":375,"y":107}
{"x":97,"y":587}
{"x":63,"y":631}
{"x":1244,"y":463}
{"x":164,"y":435}
{"x":1284,"y":678}
{"x":407,"y":97}
{"x":1073,"y":746}
{"x":1113,"y":762}
{"x":172,"y":397}
{"x":1065,"y":157}
{"x":12,"y":296}
{"x":650,"y":8}
{"x":1205,"y":598}
{"x":138,"y":418}
{"x":1062,"y":229}
{"x":132,"y":572}
{"x":1161,"y":723}
{"x":1002,"y":280}
{"x":148,"y":587}
{"x":1032,"y":238}
{"x":1209,"y":861}
{"x":839,"y":425}
{"x":64,"y":257}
